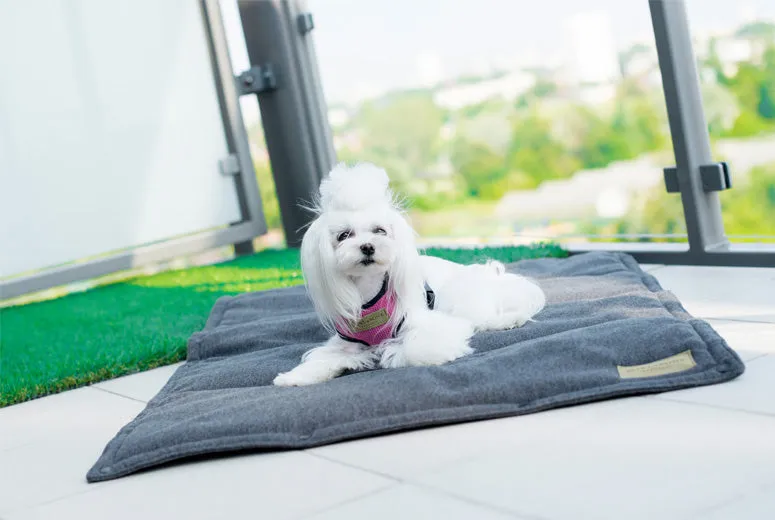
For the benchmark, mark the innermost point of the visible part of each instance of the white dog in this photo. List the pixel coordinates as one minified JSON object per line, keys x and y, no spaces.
{"x":385,"y":304}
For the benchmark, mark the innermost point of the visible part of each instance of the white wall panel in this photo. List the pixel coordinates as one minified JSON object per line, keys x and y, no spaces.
{"x":110,"y":129}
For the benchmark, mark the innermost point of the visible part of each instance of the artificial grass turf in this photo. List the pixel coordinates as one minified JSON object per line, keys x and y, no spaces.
{"x":143,"y":323}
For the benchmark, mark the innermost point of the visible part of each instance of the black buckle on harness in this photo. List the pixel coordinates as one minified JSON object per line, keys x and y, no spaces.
{"x":430,"y":296}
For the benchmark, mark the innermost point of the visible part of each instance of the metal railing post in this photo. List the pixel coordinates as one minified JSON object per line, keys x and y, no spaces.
{"x":688,"y":127}
{"x":293,"y":111}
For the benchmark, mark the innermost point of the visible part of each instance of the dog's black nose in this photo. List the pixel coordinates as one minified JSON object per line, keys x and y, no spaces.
{"x":367,"y":249}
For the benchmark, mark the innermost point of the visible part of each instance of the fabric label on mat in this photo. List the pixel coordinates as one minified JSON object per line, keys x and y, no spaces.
{"x":669,"y":365}
{"x":372,"y":321}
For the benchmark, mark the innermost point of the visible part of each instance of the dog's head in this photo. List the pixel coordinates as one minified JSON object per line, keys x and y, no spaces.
{"x":359,"y":231}
{"x":363,"y":242}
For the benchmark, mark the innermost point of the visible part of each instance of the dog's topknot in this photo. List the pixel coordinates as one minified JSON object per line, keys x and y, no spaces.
{"x":353,"y":188}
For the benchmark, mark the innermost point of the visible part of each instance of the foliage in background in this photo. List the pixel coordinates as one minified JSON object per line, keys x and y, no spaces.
{"x":553,"y":136}
{"x":746,"y":210}
{"x":443,"y":160}
{"x":267,"y":188}
{"x":400,"y":132}
{"x":752,"y":85}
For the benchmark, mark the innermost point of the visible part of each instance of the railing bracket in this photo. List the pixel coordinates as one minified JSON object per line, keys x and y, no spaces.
{"x":257,"y":79}
{"x":714,"y":177}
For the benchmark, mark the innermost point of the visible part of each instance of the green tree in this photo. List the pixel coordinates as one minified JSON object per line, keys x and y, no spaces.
{"x":480,"y":168}
{"x":637,"y":125}
{"x":265,"y":179}
{"x":754,"y":87}
{"x":749,"y":209}
{"x":766,"y":105}
{"x":604,"y":141}
{"x":401,"y":132}
{"x":655,"y":213}
{"x":641,"y":117}
{"x":268,"y":192}
{"x":543,"y":88}
{"x":746,"y":85}
{"x":536,"y":154}
{"x":721,"y":109}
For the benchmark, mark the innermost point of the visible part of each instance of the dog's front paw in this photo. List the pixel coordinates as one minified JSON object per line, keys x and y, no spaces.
{"x":393,"y":356}
{"x":289,"y":379}
{"x":303,"y":375}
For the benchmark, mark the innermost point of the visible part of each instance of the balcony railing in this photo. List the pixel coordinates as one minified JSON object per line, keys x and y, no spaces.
{"x":302,"y":138}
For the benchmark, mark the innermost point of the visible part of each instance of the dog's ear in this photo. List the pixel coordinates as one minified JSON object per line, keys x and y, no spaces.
{"x":405,"y":273}
{"x":333,"y":294}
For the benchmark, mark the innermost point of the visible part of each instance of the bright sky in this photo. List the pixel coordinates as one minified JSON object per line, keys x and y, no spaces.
{"x":369,"y":46}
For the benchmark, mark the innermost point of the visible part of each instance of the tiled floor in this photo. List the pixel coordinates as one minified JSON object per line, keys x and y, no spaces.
{"x":706,"y":453}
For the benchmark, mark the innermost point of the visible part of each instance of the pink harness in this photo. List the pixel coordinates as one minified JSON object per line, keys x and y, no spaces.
{"x":377,"y":319}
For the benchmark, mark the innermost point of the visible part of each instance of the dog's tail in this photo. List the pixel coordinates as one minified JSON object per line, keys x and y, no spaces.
{"x":496,"y":267}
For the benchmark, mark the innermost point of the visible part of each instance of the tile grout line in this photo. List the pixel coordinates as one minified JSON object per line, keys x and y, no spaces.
{"x":736,"y":320}
{"x":16,"y":447}
{"x":754,"y":358}
{"x":49,"y":502}
{"x":468,"y":500}
{"x":398,"y":481}
{"x":95,"y":387}
{"x":740,"y":497}
{"x":346,"y":502}
{"x":395,"y":479}
{"x":713,"y":406}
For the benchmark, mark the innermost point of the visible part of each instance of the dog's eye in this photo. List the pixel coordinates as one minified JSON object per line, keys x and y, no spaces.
{"x":380,"y":231}
{"x":344,"y":235}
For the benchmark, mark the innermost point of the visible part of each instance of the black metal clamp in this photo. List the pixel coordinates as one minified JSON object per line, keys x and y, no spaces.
{"x":305,"y":23}
{"x":258,"y":78}
{"x":714,"y":177}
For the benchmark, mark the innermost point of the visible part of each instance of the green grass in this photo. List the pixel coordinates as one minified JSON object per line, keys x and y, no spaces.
{"x":143,"y":323}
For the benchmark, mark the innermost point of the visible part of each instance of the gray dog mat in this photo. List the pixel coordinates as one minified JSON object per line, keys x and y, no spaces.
{"x":608,"y":330}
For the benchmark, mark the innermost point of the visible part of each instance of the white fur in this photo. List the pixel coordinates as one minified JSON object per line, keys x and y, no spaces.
{"x":358,"y":201}
{"x":485,"y":295}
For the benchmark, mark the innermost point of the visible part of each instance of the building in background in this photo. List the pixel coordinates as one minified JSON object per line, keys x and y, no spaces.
{"x":592,"y":58}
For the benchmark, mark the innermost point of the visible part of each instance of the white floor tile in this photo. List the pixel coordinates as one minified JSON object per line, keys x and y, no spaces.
{"x":749,"y":339}
{"x":143,"y":386}
{"x":277,"y":486}
{"x":633,"y":458}
{"x":403,"y":455}
{"x":409,"y":502}
{"x":722,"y":292}
{"x":63,"y":435}
{"x":651,"y":267}
{"x":754,"y":391}
{"x":60,"y":415}
{"x":757,"y":505}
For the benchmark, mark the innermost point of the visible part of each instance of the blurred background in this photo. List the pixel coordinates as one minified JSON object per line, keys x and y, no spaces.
{"x":499,"y":121}
{"x":515,"y":121}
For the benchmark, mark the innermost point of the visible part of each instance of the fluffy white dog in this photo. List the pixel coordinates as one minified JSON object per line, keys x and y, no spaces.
{"x":385,"y":304}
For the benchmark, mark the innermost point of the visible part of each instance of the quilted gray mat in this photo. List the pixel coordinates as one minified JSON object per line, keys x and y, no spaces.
{"x":608,"y":330}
